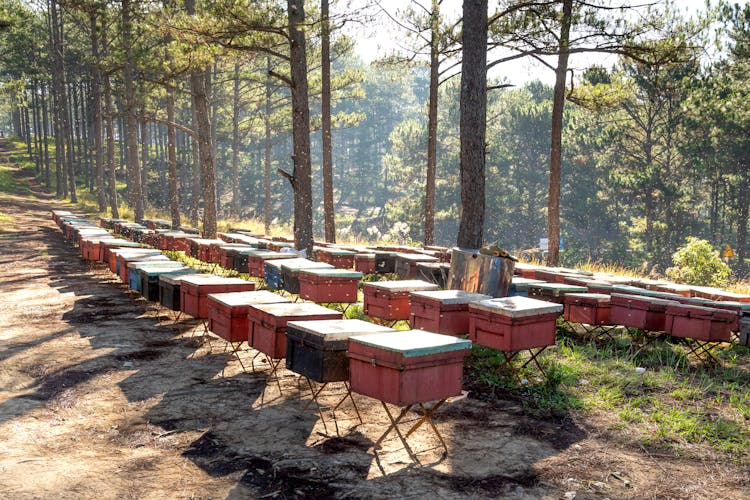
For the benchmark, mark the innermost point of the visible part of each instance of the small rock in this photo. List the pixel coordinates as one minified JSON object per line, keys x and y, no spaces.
{"x":127,"y":364}
{"x":524,"y":381}
{"x":598,"y":485}
{"x":640,"y":370}
{"x":583,"y":381}
{"x":570,"y":495}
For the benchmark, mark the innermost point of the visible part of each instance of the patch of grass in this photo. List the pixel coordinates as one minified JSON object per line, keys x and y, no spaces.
{"x":9,"y":184}
{"x":671,"y":402}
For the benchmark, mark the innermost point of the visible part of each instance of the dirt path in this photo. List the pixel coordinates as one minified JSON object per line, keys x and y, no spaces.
{"x":102,"y":396}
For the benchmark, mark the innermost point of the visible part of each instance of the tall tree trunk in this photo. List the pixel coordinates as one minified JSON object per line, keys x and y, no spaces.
{"x":110,"y":131}
{"x":174,"y":205}
{"x":555,"y":160}
{"x":432,"y":117}
{"x":473,"y":122}
{"x":200,"y":91}
{"x":196,"y":177}
{"x":37,"y":157}
{"x":76,"y":133}
{"x":58,"y":102}
{"x":742,"y":219}
{"x":68,"y":133}
{"x":45,"y":138}
{"x":131,"y":134}
{"x":96,"y":110}
{"x":267,"y":154}
{"x":301,"y":178}
{"x":325,"y":116}
{"x":27,"y":125}
{"x":144,"y":155}
{"x":236,"y":143}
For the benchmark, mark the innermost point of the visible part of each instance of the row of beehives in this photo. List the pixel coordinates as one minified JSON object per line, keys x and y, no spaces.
{"x":509,"y":325}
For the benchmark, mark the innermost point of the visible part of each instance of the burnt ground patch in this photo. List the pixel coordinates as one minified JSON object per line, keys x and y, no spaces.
{"x":352,"y":442}
{"x":141,"y":355}
{"x":55,"y":385}
{"x":217,"y":459}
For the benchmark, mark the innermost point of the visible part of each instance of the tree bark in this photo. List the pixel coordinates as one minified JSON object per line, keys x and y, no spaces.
{"x":110,"y":133}
{"x":267,"y":153}
{"x":301,"y":178}
{"x":174,"y":205}
{"x":432,"y":117}
{"x":144,"y":155}
{"x":473,"y":122}
{"x":196,"y":177}
{"x":131,"y":125}
{"x":325,"y":55}
{"x":200,"y":92}
{"x":45,"y":138}
{"x":555,"y":162}
{"x":236,"y":143}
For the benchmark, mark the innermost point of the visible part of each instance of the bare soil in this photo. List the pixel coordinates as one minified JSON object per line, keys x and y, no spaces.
{"x":103,"y":395}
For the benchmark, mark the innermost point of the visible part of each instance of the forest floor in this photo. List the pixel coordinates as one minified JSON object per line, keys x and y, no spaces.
{"x":103,"y":395}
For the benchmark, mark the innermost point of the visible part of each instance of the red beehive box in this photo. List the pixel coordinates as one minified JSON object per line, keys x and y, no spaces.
{"x":699,"y":323}
{"x":269,"y":324}
{"x":527,"y":271}
{"x":227,"y":312}
{"x":739,"y":308}
{"x":91,"y":247}
{"x":587,"y":308}
{"x":553,"y":292}
{"x":442,"y":311}
{"x":256,"y":261}
{"x":194,"y":290}
{"x":106,"y":247}
{"x":364,"y":263}
{"x":513,"y":323}
{"x":329,"y":285}
{"x":407,"y":367}
{"x":342,"y":259}
{"x":116,"y":253}
{"x":638,"y":311}
{"x":549,"y":275}
{"x":389,"y":300}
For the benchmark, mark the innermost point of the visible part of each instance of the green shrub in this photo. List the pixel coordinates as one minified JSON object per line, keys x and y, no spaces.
{"x":697,"y":263}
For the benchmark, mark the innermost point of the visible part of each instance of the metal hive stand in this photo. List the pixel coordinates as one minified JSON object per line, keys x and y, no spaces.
{"x":316,"y":394}
{"x":427,"y":415}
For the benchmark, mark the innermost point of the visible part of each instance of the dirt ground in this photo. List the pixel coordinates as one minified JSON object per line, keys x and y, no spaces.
{"x":103,"y":395}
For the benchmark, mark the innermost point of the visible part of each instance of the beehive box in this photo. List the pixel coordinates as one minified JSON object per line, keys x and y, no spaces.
{"x":745,"y":329}
{"x":274,"y":274}
{"x":434,"y":272}
{"x":389,"y":300}
{"x":405,"y":265}
{"x":638,"y":311}
{"x":269,"y":323}
{"x":329,"y":285}
{"x":364,"y":263}
{"x":599,"y":286}
{"x":194,"y":292}
{"x":317,"y":349}
{"x":200,"y":248}
{"x":125,"y":261}
{"x":513,"y":323}
{"x":553,"y":292}
{"x":170,"y":287}
{"x":227,"y":312}
{"x":587,"y":308}
{"x":699,"y":323}
{"x":407,"y":367}
{"x":290,"y":269}
{"x":385,"y":262}
{"x":117,"y":255}
{"x":520,"y":286}
{"x":442,"y":311}
{"x":239,"y":262}
{"x":549,"y":275}
{"x":339,"y":258}
{"x":91,"y":247}
{"x":227,"y":253}
{"x":106,"y":247}
{"x":150,"y":278}
{"x":135,"y":269}
{"x":256,"y":261}
{"x":741,"y":308}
